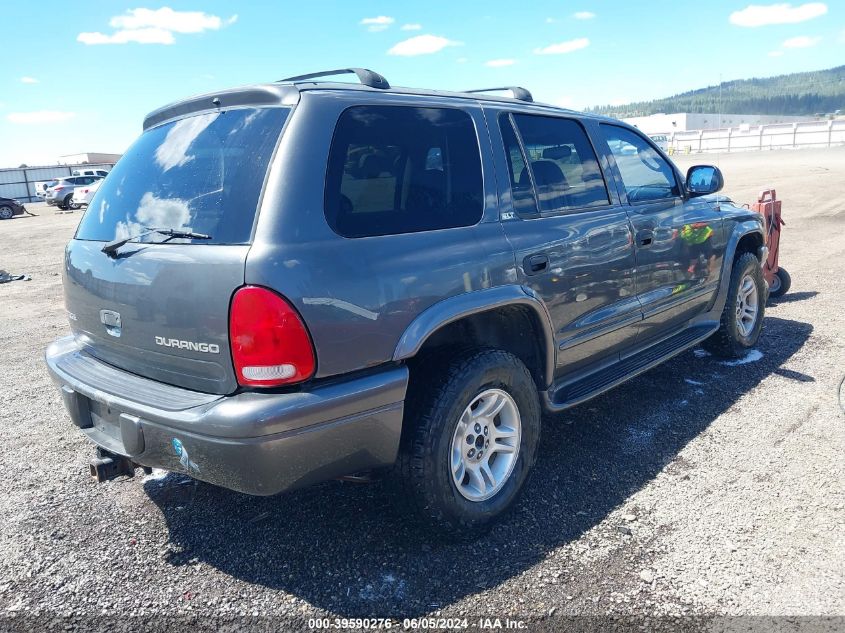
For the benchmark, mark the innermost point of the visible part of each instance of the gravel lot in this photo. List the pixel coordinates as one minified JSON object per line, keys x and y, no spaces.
{"x":700,"y":488}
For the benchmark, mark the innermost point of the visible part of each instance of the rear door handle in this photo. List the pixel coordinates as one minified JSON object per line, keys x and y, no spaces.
{"x":645,"y":237}
{"x":535,"y":264}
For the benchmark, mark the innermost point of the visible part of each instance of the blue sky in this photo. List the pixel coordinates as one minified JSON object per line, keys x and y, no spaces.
{"x":80,"y":76}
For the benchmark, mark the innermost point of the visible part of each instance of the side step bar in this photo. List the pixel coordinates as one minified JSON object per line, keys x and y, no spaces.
{"x":573,"y":393}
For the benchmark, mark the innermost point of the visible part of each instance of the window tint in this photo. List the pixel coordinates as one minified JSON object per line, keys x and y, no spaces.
{"x":522,"y":189}
{"x":561,"y":164}
{"x":645,"y":174}
{"x":398,"y":169}
{"x":203,"y":173}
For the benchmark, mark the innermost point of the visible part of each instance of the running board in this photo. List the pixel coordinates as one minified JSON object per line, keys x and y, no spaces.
{"x":573,"y":393}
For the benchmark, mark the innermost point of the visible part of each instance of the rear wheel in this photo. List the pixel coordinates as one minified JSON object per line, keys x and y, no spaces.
{"x":780,"y":284}
{"x":742,"y":317}
{"x":471,"y":440}
{"x":69,"y":202}
{"x":6,"y":212}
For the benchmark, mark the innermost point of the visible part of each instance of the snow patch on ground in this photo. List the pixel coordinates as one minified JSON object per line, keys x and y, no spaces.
{"x":700,"y":353}
{"x":751,"y":357}
{"x":695,"y":383}
{"x":157,"y":475}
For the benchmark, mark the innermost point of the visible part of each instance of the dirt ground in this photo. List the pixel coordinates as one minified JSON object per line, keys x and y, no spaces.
{"x":701,"y":488}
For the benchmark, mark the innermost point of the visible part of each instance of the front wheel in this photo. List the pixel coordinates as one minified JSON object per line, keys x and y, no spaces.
{"x":742,"y":317}
{"x":6,"y":213}
{"x":471,"y":440}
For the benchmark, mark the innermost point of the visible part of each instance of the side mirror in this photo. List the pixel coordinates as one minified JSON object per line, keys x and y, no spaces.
{"x":703,"y":180}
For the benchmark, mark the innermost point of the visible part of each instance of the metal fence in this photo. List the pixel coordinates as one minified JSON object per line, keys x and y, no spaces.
{"x":756,"y":138}
{"x":20,"y":183}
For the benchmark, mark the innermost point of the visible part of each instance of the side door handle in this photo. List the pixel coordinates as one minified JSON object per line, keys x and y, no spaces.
{"x":535,"y":264}
{"x":645,"y":237}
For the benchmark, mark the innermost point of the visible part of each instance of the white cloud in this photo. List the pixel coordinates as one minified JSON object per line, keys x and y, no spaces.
{"x":775,"y":53}
{"x":462,"y":60}
{"x":169,"y":20}
{"x":378,"y":23}
{"x":563,"y":47}
{"x":583,"y":15}
{"x":411,"y":27}
{"x":550,"y":20}
{"x":421,"y":45}
{"x":783,"y":13}
{"x":802,"y":41}
{"x":29,"y":80}
{"x":499,"y":63}
{"x":141,"y":36}
{"x":155,"y":26}
{"x":39,"y":116}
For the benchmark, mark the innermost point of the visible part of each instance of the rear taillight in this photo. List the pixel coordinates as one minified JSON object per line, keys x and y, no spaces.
{"x":58,"y":188}
{"x":84,"y":191}
{"x":270,"y":345}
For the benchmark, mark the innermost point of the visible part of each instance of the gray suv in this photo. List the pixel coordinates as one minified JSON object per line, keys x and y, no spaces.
{"x":59,"y":192}
{"x":287,"y":283}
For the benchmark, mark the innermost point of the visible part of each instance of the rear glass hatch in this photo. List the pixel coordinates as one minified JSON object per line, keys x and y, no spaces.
{"x":184,"y":197}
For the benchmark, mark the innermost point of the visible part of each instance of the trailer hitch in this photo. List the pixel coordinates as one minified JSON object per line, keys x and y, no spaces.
{"x":107,"y":466}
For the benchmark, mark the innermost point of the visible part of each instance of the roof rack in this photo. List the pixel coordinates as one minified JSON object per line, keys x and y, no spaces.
{"x":365,"y":76}
{"x":518,"y":93}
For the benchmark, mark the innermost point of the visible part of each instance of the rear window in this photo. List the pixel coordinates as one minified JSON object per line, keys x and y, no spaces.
{"x":202,"y":174}
{"x":402,"y":169}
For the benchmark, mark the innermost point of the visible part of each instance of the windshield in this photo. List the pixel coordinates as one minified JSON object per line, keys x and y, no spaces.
{"x":201,"y":174}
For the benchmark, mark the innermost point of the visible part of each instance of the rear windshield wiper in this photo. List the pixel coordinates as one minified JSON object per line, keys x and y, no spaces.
{"x":111,"y":248}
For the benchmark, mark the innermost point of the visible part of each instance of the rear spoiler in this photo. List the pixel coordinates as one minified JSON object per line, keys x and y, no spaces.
{"x":263,"y":95}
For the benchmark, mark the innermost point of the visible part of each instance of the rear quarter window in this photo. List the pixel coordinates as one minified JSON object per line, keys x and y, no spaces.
{"x":402,"y":169}
{"x":203,"y":173}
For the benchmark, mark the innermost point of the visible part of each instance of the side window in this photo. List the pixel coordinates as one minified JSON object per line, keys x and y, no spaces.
{"x":645,"y":174}
{"x":522,"y":189}
{"x":402,"y":169}
{"x":562,"y":164}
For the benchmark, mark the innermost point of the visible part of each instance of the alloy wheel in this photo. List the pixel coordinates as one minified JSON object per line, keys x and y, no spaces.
{"x":485,"y":445}
{"x":746,"y":306}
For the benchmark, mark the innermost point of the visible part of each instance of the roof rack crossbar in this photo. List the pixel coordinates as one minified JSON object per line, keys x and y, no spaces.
{"x":365,"y":76}
{"x":518,"y":93}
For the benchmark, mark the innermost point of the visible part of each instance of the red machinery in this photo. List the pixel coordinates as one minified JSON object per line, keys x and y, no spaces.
{"x":768,"y":206}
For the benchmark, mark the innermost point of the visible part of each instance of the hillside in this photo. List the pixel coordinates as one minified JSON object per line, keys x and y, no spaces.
{"x":796,"y":94}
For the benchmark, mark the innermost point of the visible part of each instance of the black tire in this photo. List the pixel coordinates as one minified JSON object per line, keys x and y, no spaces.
{"x":782,"y":284}
{"x":440,"y":390}
{"x":6,"y":212}
{"x":69,"y":202}
{"x":729,"y":341}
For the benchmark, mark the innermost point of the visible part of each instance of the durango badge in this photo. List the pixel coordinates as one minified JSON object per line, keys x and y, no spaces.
{"x":208,"y":348}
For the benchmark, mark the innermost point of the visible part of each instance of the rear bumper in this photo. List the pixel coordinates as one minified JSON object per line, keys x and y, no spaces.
{"x":257,"y":443}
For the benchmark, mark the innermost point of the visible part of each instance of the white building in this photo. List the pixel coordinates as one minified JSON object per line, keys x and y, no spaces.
{"x":89,"y":158}
{"x":683,"y":121}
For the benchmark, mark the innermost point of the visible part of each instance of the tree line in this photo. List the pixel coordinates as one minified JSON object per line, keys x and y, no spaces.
{"x":795,"y":94}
